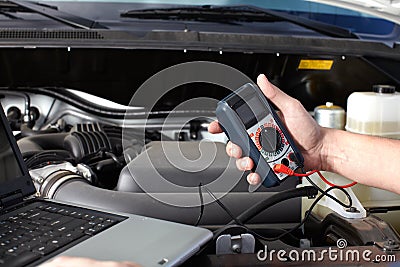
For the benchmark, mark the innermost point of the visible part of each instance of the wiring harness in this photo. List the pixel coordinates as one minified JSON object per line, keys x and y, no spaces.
{"x":307,"y":191}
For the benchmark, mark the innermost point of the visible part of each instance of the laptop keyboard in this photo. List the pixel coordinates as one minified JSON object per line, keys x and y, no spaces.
{"x":41,"y":228}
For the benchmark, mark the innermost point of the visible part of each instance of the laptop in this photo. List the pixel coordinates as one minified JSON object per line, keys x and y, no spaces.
{"x":34,"y":230}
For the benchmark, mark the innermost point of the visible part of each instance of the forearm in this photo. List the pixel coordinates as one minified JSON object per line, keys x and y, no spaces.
{"x":366,"y":159}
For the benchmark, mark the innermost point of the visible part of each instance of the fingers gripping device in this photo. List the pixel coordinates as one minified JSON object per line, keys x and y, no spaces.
{"x":248,"y":120}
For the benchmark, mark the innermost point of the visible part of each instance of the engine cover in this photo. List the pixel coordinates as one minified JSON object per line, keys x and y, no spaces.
{"x":183,"y":164}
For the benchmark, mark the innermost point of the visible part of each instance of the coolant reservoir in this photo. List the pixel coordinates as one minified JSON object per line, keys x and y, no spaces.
{"x":374,"y":113}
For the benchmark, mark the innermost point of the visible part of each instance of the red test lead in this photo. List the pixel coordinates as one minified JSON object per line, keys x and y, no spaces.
{"x":281,"y":168}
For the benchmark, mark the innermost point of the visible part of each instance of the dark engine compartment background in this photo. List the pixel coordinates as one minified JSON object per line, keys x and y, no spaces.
{"x":115,"y":74}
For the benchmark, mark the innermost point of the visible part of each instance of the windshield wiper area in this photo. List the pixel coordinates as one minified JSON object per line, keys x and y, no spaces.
{"x":205,"y":13}
{"x":237,"y":13}
{"x":63,"y":17}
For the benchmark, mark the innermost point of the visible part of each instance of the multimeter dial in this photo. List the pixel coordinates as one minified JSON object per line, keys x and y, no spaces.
{"x":270,"y":141}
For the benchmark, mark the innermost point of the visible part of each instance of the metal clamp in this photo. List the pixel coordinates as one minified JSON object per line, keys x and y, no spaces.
{"x":227,"y":244}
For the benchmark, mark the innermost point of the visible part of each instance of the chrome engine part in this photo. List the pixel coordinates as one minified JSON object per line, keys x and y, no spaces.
{"x":50,"y":178}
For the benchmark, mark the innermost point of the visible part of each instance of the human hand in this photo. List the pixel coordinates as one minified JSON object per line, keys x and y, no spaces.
{"x":64,"y":261}
{"x":307,"y":134}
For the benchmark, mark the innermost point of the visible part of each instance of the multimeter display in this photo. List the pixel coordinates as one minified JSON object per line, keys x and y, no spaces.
{"x":249,"y":115}
{"x":249,"y":121}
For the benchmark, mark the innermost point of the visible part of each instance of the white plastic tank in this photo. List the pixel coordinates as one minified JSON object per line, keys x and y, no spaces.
{"x":374,"y":113}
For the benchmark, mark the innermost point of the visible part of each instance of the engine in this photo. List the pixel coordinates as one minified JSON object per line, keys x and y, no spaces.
{"x":112,"y":158}
{"x":96,"y":147}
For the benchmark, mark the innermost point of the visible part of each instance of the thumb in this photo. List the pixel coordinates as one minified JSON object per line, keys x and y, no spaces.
{"x":273,"y":93}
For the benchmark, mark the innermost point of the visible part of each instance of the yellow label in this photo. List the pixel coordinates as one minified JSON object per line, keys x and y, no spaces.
{"x":315,"y":64}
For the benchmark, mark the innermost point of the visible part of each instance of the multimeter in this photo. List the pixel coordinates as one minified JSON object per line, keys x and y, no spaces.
{"x":248,"y":120}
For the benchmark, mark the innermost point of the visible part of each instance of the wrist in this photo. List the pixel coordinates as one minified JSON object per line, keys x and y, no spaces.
{"x":328,"y":145}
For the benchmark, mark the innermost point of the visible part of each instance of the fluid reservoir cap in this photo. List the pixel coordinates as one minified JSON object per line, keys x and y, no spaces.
{"x":384,"y":89}
{"x":330,"y":116}
{"x":328,"y":106}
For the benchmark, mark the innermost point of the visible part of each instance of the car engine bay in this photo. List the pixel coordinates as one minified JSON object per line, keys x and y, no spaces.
{"x":70,"y":115}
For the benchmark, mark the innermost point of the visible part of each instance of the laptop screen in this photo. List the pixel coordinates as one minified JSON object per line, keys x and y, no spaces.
{"x":14,"y":176}
{"x":10,"y":168}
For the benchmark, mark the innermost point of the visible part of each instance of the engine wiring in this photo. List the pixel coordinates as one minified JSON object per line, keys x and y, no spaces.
{"x":201,"y":206}
{"x":324,"y":193}
{"x":223,"y":207}
{"x":307,"y":215}
{"x":305,"y":191}
{"x":43,"y":158}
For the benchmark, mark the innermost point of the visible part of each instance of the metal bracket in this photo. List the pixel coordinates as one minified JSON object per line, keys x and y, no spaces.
{"x":357,"y":211}
{"x":227,"y":244}
{"x":389,"y":245}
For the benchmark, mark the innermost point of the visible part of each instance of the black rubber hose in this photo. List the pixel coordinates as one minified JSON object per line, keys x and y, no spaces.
{"x":48,"y":155}
{"x":307,"y":191}
{"x":150,"y":204}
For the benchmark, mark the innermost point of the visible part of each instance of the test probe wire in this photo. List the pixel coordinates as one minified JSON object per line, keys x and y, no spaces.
{"x":324,"y":193}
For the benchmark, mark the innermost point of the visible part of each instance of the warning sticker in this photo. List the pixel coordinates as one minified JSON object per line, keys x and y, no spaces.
{"x":315,"y":64}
